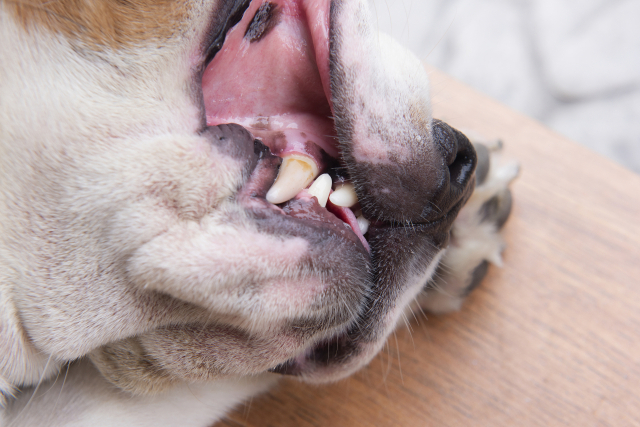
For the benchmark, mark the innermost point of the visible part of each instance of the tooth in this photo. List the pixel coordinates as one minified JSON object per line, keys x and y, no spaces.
{"x":344,"y":195}
{"x":321,"y":188}
{"x":296,"y":172}
{"x":363,"y":223}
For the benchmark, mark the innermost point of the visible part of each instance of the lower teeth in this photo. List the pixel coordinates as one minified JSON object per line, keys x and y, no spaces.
{"x":297,"y":172}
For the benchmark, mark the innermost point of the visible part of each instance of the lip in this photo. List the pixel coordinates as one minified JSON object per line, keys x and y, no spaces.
{"x":335,"y":349}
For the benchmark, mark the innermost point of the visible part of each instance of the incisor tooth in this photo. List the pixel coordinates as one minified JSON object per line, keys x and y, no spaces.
{"x":363,"y":223}
{"x":296,"y":172}
{"x":344,"y":195}
{"x":321,"y":188}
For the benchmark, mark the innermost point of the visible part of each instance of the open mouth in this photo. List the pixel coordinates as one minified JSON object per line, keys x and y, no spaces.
{"x":271,"y":76}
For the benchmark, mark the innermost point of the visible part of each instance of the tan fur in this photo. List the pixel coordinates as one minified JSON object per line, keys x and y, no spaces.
{"x":104,"y":23}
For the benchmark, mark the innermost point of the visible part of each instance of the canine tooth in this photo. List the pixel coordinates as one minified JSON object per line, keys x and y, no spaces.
{"x":296,"y":172}
{"x":321,"y":188}
{"x":344,"y":195}
{"x":363,"y":223}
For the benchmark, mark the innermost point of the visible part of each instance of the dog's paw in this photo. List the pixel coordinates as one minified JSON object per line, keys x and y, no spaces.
{"x":475,"y":235}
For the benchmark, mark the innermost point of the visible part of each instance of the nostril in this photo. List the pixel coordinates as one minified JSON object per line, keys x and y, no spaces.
{"x":445,"y":139}
{"x":464,"y":164}
{"x":458,"y":162}
{"x":458,"y":153}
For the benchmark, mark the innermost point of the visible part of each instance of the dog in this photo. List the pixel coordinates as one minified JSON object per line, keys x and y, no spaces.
{"x":198,"y":197}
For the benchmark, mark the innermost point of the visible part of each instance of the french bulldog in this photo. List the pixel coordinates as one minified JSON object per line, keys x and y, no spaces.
{"x":198,"y":197}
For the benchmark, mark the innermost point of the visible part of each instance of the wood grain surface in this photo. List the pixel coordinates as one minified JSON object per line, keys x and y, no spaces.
{"x":550,"y":339}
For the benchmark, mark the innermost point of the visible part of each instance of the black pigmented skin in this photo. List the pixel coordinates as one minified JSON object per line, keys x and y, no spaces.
{"x":229,"y":13}
{"x":236,"y":142}
{"x":476,"y":277}
{"x":266,"y":18}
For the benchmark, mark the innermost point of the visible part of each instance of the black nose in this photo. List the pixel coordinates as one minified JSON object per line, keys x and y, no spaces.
{"x":459,"y":162}
{"x":426,"y":183}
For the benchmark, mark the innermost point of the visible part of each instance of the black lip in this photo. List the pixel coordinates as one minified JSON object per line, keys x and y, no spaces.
{"x":319,"y":220}
{"x":229,"y":13}
{"x":290,"y":367}
{"x":265,"y":19}
{"x":332,"y":351}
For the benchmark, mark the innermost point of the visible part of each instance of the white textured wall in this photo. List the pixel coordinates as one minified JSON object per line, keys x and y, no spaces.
{"x":573,"y":64}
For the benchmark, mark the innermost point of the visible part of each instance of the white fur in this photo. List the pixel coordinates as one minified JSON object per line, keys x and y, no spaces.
{"x":393,"y":81}
{"x":98,"y":403}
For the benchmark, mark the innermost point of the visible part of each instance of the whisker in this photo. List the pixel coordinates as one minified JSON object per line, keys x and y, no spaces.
{"x":395,"y":337}
{"x":40,"y":381}
{"x":64,"y":380}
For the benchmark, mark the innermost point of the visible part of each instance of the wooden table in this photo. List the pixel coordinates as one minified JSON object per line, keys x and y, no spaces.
{"x":550,"y":339}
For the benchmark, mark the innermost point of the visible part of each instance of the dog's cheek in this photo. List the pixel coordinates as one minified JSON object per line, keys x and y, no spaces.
{"x":146,"y":187}
{"x":187,"y":175}
{"x":190,"y":176}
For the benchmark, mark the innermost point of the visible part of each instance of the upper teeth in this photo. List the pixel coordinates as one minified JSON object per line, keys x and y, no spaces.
{"x":321,"y":188}
{"x":296,"y":173}
{"x":344,"y":195}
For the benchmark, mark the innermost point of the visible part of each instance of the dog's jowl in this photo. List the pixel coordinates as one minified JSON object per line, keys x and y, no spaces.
{"x":197,"y":197}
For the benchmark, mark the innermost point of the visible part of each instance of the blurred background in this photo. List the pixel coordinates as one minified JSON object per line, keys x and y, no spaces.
{"x":572,"y":64}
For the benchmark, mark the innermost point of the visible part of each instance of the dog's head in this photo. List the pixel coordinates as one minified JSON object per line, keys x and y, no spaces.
{"x":137,"y":157}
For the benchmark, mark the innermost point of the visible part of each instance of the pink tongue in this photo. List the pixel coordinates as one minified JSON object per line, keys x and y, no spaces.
{"x":273,"y":86}
{"x":346,"y":215}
